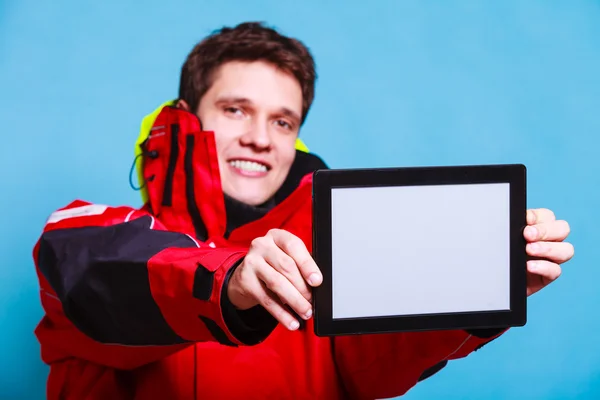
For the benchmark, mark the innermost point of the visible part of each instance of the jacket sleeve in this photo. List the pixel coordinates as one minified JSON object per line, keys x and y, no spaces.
{"x":120,"y":290}
{"x":388,"y":365}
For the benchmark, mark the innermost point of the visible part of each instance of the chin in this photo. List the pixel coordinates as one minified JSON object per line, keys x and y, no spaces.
{"x":255,"y":201}
{"x":246,"y":198}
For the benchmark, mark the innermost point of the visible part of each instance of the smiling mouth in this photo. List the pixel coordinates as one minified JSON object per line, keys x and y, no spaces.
{"x":249,"y":166}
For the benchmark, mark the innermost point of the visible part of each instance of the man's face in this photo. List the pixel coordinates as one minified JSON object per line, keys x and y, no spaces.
{"x":255,"y":111}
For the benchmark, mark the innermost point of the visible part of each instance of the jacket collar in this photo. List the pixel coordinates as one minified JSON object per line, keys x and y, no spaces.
{"x":178,"y":167}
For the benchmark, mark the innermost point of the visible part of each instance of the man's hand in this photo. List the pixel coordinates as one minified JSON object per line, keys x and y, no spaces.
{"x":275,"y":272}
{"x":545,"y":243}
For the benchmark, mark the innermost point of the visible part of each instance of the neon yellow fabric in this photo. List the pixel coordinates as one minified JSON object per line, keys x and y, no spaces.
{"x":145,"y":128}
{"x":301,"y":146}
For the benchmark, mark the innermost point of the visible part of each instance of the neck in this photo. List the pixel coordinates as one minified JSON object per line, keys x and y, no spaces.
{"x":239,"y":213}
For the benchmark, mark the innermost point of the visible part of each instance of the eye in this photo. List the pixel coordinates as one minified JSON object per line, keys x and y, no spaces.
{"x":284,"y":124}
{"x":234,"y":111}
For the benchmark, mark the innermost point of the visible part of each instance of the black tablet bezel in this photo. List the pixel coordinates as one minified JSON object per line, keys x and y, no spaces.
{"x":326,"y":180}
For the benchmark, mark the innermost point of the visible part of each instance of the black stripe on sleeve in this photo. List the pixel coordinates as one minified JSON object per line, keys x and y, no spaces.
{"x":100,"y":275}
{"x":217,"y":332}
{"x":203,"y":283}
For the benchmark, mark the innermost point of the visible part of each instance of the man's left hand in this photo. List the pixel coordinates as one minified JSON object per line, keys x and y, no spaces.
{"x":545,"y":237}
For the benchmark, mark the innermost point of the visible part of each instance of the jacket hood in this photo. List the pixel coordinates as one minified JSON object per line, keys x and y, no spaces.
{"x":145,"y":130}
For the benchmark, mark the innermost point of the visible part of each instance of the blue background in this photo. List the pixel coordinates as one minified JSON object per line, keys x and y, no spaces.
{"x":401,"y":84}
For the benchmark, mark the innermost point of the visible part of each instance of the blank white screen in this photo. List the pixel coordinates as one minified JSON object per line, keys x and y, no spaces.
{"x":420,"y":249}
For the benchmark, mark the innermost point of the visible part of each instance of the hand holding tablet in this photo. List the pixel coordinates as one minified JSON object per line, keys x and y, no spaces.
{"x":406,"y":249}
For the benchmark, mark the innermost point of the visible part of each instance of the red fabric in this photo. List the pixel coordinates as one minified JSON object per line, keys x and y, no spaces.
{"x":287,"y":365}
{"x":172,"y":279}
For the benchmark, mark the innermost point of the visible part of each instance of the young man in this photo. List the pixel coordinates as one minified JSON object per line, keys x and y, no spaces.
{"x":200,"y":293}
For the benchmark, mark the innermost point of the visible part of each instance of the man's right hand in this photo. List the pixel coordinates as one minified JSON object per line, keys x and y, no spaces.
{"x":277,"y":270}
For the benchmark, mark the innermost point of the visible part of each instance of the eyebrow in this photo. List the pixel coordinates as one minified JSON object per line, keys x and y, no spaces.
{"x":243,"y":100}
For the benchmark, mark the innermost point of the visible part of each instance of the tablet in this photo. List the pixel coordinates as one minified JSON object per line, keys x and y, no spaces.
{"x":421,"y":248}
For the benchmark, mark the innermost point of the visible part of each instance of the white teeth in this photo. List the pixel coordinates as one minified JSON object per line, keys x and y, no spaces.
{"x":250,"y":166}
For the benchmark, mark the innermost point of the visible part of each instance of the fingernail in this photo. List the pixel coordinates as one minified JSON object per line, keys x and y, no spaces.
{"x":533,"y":266}
{"x":314,"y":279}
{"x":308,"y":314}
{"x":535,"y":247}
{"x":532,"y":231}
{"x":294,"y":325}
{"x":532,"y":217}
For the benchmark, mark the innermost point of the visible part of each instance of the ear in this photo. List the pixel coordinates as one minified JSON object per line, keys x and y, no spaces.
{"x":183,"y":105}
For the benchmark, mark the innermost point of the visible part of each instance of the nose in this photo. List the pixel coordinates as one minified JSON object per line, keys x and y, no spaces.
{"x":257,"y":136}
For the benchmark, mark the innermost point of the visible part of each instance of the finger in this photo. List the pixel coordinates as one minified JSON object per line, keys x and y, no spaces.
{"x":278,"y":284}
{"x":295,"y":248}
{"x":539,"y":215}
{"x":546,"y":269}
{"x":548,"y":231}
{"x":558,"y":252}
{"x":540,"y":274}
{"x":285,"y":265}
{"x":273,"y":305}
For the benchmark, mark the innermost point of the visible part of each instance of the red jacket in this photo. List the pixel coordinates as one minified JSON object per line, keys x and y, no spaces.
{"x":134,"y":305}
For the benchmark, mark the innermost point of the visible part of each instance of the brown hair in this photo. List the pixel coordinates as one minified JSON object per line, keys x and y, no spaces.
{"x":250,"y":41}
